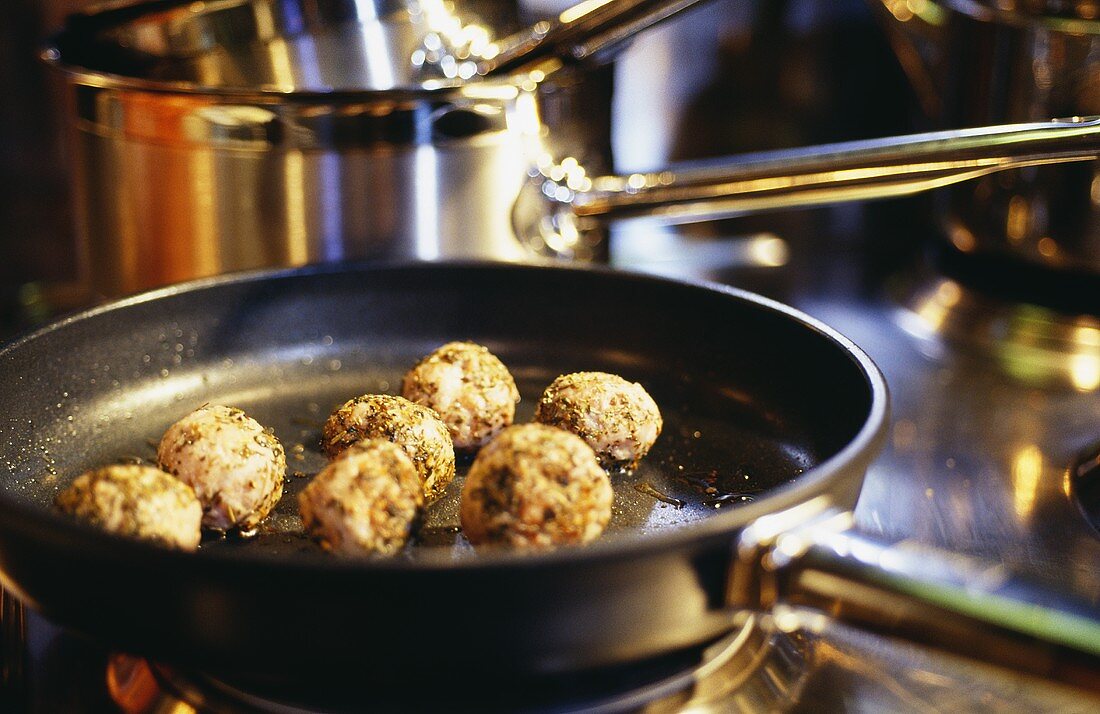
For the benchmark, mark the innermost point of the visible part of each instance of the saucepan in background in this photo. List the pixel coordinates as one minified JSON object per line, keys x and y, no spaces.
{"x":777,"y":75}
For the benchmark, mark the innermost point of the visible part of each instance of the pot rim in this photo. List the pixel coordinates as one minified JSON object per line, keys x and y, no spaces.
{"x":434,"y":89}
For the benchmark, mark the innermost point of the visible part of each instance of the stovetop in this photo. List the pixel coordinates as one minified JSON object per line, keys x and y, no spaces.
{"x":978,"y":461}
{"x":993,"y":401}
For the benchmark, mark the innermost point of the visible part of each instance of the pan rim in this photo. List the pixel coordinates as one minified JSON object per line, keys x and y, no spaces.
{"x":45,"y":524}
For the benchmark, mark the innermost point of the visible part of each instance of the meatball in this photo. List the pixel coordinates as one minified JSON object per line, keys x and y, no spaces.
{"x":470,"y":389}
{"x":414,"y":428}
{"x":535,"y":486}
{"x":365,"y":501}
{"x":618,"y":419}
{"x":235,"y":466}
{"x":138,"y":501}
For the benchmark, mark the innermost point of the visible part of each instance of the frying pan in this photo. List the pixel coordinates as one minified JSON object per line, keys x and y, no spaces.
{"x":776,"y":412}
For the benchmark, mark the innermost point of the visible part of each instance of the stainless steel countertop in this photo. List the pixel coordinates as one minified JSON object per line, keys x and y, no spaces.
{"x":977,"y":461}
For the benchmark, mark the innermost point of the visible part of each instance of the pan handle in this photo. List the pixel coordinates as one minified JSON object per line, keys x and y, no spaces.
{"x":587,"y":29}
{"x":859,"y":170}
{"x":955,"y":603}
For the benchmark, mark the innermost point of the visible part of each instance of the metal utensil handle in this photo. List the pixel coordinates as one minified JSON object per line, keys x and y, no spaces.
{"x":955,"y":603}
{"x":580,"y":32}
{"x":860,"y":170}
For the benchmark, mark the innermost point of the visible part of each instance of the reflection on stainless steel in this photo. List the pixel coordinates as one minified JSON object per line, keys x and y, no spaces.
{"x":975,"y":463}
{"x":583,"y":31}
{"x":979,"y":62}
{"x":1083,"y":484}
{"x":804,"y":558}
{"x":1035,"y":345}
{"x":756,"y":669}
{"x":846,"y":172}
{"x":251,"y":133}
{"x":233,"y":135}
{"x":251,"y":45}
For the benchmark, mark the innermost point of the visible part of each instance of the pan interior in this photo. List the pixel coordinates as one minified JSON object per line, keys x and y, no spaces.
{"x":751,"y":398}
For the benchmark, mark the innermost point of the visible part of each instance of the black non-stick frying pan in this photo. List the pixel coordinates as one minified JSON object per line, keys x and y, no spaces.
{"x":770,"y":420}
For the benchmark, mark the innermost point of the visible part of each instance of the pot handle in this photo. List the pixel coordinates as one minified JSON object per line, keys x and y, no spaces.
{"x":581,"y":32}
{"x":860,"y":170}
{"x":955,"y":603}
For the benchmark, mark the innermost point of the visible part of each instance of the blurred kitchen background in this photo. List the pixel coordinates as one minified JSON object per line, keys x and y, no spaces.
{"x":727,"y":77}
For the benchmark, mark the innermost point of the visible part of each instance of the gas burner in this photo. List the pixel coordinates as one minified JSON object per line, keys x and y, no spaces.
{"x":755,"y":669}
{"x":1038,"y":346}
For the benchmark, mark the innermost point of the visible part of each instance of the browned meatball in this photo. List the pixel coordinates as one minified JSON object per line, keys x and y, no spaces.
{"x":137,"y":501}
{"x":535,"y":486}
{"x":470,"y":389}
{"x":617,"y":418}
{"x":365,"y":501}
{"x":414,"y":428}
{"x":234,"y":465}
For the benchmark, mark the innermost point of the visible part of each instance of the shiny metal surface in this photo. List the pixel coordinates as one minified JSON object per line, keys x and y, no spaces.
{"x":976,"y":462}
{"x":955,"y":603}
{"x":758,"y":668}
{"x":877,"y":168}
{"x":980,"y":62}
{"x":243,"y":134}
{"x":224,"y":136}
{"x":581,"y":32}
{"x":193,"y":186}
{"x":1037,"y":346}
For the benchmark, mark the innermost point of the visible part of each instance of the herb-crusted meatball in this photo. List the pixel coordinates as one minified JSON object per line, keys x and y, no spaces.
{"x":234,"y":465}
{"x":365,"y":501}
{"x":535,"y":486}
{"x":137,"y":501}
{"x":414,"y":428}
{"x":470,"y":389}
{"x":618,"y":419}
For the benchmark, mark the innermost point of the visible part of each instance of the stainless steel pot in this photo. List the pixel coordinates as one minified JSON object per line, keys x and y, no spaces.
{"x":244,"y":133}
{"x":983,"y":62}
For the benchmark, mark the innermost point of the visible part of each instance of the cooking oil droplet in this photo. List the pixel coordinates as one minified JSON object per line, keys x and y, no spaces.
{"x":163,"y":373}
{"x":307,"y":360}
{"x":648,"y":489}
{"x":326,"y":340}
{"x":335,"y":365}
